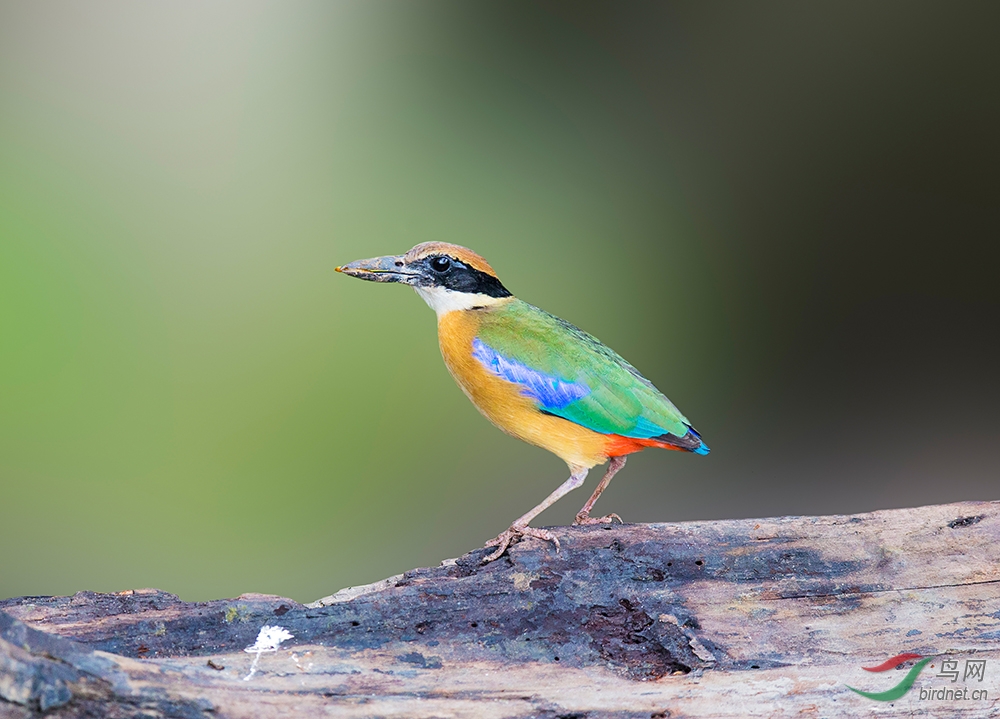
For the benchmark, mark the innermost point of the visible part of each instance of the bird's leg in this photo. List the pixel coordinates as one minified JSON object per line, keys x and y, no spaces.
{"x":583,"y":516}
{"x":520,"y":527}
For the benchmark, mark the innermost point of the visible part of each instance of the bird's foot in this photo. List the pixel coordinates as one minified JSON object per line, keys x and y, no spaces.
{"x":584,"y":519}
{"x":514,"y":534}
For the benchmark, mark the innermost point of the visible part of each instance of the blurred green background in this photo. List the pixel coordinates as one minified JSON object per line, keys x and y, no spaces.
{"x":784,"y":214}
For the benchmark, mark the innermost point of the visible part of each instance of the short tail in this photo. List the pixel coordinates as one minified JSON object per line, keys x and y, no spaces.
{"x":702,"y":448}
{"x":692,"y":442}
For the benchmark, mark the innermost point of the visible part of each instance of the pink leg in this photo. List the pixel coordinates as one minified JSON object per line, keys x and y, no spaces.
{"x":520,"y":526}
{"x":583,"y":516}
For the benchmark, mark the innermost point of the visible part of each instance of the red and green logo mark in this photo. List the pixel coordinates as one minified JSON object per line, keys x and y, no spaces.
{"x":891,"y":695}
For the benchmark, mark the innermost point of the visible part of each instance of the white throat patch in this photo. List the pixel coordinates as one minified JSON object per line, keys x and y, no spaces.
{"x":443,"y":301}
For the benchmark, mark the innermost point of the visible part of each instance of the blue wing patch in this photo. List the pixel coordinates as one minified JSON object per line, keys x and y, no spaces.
{"x":550,"y":392}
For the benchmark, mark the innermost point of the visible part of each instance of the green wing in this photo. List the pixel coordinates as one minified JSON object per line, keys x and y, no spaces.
{"x":573,"y":375}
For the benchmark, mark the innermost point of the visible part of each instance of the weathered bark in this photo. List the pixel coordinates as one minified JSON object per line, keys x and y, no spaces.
{"x":771,"y":617}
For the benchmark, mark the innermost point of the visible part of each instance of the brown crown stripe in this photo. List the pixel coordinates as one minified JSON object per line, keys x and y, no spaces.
{"x":464,"y":254}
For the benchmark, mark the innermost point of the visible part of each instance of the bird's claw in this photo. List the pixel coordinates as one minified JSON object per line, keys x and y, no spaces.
{"x":584,"y":519}
{"x":514,"y":534}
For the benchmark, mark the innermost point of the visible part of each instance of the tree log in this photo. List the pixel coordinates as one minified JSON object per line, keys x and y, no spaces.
{"x":769,"y":617}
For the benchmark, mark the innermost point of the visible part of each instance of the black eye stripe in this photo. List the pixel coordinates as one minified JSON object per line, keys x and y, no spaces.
{"x":453,"y":274}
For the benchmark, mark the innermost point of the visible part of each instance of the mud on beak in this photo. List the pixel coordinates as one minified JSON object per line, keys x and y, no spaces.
{"x":381,"y":269}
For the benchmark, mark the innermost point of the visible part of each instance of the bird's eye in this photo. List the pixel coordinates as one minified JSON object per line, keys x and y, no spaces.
{"x":440,"y":264}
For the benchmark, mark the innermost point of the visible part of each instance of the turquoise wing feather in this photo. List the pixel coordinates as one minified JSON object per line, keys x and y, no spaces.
{"x":572,"y":375}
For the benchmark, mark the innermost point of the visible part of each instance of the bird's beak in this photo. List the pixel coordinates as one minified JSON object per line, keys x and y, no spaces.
{"x":380,"y":269}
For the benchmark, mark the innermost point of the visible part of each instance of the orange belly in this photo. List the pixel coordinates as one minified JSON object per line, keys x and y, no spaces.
{"x":502,"y":403}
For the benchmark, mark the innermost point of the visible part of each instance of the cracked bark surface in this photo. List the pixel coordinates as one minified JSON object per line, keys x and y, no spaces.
{"x":770,"y":617}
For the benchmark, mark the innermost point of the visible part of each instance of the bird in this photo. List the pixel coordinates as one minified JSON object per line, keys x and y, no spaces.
{"x":535,"y":376}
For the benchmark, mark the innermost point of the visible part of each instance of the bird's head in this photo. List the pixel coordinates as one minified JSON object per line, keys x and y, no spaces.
{"x":448,"y":277}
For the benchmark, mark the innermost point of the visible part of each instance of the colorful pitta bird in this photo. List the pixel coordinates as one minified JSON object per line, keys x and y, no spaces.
{"x":535,"y":376}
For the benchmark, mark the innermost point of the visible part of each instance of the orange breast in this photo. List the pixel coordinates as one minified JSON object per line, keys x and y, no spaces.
{"x":503,"y":404}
